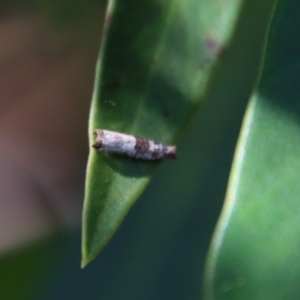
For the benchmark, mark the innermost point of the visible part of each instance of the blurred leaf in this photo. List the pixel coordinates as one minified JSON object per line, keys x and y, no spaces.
{"x":155,"y":63}
{"x":255,"y":253}
{"x":67,"y":11}
{"x":25,"y":272}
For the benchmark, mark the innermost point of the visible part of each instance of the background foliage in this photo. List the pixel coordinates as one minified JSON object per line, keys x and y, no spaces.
{"x":159,"y":251}
{"x":255,"y":249}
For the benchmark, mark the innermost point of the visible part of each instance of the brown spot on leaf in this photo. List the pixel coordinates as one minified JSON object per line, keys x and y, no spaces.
{"x":214,"y":46}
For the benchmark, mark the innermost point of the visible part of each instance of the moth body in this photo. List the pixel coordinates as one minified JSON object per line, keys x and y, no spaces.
{"x":131,"y":146}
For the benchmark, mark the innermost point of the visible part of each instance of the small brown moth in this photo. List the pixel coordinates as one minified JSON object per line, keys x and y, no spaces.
{"x":131,"y":146}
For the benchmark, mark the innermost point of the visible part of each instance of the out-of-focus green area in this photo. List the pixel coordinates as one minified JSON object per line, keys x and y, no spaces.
{"x":25,"y":272}
{"x":57,"y":11}
{"x":160,"y":249}
{"x":255,"y":253}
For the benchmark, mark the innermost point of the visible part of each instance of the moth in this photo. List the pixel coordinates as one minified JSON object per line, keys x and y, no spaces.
{"x":131,"y":146}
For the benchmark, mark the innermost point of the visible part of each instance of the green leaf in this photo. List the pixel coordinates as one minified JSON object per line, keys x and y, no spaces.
{"x":155,"y":63}
{"x":255,"y":252}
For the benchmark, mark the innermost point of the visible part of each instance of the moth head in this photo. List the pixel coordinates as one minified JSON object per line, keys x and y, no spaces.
{"x":98,"y":134}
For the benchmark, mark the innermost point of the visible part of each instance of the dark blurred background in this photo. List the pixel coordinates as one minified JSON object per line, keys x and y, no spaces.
{"x":48,"y":51}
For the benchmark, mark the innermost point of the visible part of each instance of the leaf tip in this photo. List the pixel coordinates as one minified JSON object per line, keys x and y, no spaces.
{"x":84,"y":262}
{"x":87,"y":258}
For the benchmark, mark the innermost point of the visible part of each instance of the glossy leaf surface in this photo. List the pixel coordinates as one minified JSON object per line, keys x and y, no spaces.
{"x":154,"y":66}
{"x":255,"y":252}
